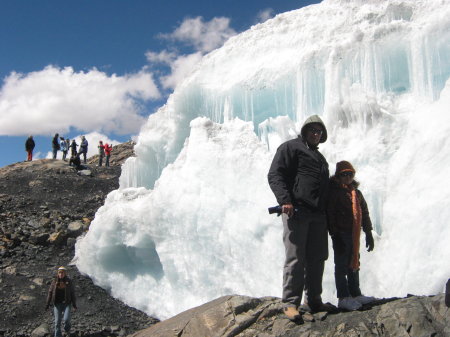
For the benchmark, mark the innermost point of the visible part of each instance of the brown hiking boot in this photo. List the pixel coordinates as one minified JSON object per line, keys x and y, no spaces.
{"x":293,"y":314}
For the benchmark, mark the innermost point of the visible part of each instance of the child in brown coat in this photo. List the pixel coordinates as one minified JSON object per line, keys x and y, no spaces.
{"x":347,"y":213}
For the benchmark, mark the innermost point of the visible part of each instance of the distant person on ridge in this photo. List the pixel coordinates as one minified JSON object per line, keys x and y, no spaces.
{"x":108,"y":149}
{"x":62,"y":295}
{"x":55,"y":145}
{"x":73,"y":148}
{"x":84,"y":148}
{"x":63,"y":147}
{"x":67,"y":144}
{"x":29,"y":147}
{"x":347,"y":212}
{"x":101,"y":153}
{"x":447,"y":293}
{"x":299,"y":179}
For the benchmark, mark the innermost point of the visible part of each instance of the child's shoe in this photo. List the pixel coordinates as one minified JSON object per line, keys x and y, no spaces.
{"x":364,"y":299}
{"x":349,"y":303}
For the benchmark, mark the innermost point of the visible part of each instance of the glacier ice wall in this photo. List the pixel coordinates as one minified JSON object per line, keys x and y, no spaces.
{"x":189,"y":222}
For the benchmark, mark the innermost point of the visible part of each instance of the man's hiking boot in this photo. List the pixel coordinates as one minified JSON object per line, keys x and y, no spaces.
{"x":293,"y":315}
{"x":319,"y":306}
{"x":349,"y":303}
{"x":365,"y":299}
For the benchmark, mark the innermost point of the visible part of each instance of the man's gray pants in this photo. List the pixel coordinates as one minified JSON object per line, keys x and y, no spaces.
{"x":305,"y":238}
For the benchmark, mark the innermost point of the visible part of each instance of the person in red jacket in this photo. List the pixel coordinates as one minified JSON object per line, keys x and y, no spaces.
{"x":108,"y":149}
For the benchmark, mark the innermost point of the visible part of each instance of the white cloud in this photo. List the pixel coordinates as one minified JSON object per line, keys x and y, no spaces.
{"x":40,"y":155}
{"x":203,"y":36}
{"x":93,"y":138}
{"x":164,"y":57}
{"x":265,"y":15}
{"x":180,"y":68}
{"x":55,"y":100}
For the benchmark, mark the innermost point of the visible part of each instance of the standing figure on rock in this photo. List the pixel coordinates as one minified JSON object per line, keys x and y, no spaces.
{"x":84,"y":148}
{"x":447,"y":293}
{"x":299,"y":178}
{"x":73,"y":148}
{"x":29,"y":147}
{"x":101,"y":153}
{"x":63,"y":147}
{"x":67,"y":144}
{"x":62,"y":295}
{"x":55,"y":145}
{"x":347,"y":212}
{"x":108,"y":149}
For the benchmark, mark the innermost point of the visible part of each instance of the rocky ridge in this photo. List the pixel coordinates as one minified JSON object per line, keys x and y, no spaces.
{"x":241,"y":316}
{"x":44,"y":206}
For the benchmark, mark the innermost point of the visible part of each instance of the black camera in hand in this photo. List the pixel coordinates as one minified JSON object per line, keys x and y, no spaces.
{"x":276,"y":209}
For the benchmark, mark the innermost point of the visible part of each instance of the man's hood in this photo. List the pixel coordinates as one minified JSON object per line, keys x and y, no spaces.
{"x":313,"y":120}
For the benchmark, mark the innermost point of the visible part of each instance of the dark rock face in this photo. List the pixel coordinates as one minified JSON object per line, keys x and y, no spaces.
{"x":249,"y":317}
{"x":44,"y":206}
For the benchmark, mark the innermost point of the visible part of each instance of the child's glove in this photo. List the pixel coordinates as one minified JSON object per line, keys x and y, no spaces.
{"x":370,"y":244}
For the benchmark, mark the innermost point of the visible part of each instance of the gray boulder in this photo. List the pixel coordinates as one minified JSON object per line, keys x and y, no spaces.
{"x":75,"y":228}
{"x":225,"y":316}
{"x":86,"y":173}
{"x":39,"y":238}
{"x":41,"y":331}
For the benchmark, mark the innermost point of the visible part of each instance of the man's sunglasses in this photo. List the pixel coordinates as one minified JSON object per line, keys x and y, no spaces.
{"x":315,"y":131}
{"x":346,"y":174}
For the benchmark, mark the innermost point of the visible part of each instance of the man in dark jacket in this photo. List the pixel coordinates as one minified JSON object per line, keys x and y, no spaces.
{"x":29,"y":147}
{"x":84,"y":148}
{"x":55,"y":145}
{"x":299,"y":178}
{"x":73,"y":148}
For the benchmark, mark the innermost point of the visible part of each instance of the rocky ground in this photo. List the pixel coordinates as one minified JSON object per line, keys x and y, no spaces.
{"x":241,"y":316}
{"x":44,"y":206}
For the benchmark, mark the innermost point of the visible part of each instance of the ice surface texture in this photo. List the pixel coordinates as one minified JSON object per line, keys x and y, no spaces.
{"x":190,"y":220}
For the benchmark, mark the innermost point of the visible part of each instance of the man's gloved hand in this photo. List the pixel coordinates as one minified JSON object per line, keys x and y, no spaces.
{"x":370,"y":244}
{"x":288,"y":209}
{"x":338,"y":244}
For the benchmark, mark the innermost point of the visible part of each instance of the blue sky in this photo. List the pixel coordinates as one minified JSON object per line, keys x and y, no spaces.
{"x":100,"y":67}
